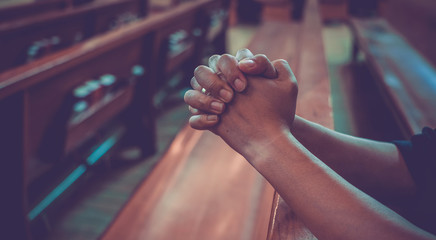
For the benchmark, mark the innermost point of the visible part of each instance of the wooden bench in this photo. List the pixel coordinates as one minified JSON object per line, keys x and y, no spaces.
{"x":41,"y":135}
{"x":405,"y":78}
{"x":36,"y":36}
{"x":201,"y":189}
{"x":302,"y":46}
{"x":48,"y":129}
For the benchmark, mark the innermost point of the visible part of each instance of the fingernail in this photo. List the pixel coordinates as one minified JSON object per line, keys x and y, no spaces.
{"x":212,"y":118}
{"x":226,"y":95}
{"x":217,"y":106}
{"x":248,"y":63}
{"x":239,"y":85}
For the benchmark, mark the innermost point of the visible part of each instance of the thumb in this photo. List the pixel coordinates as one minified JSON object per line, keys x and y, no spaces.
{"x":258,"y":65}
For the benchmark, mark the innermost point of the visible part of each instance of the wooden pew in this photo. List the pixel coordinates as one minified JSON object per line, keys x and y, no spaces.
{"x":187,"y":194}
{"x":42,"y":93}
{"x":37,"y":97}
{"x":200,"y":189}
{"x":191,"y":194}
{"x":405,"y":78}
{"x":312,"y":104}
{"x":33,"y":37}
{"x":415,"y":21}
{"x":301,"y":45}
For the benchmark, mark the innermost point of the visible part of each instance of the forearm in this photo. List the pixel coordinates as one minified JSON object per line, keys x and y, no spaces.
{"x":330,"y":207}
{"x":375,"y":167}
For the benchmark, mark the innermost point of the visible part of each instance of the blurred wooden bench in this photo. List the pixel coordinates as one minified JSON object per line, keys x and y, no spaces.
{"x":44,"y":140}
{"x":182,"y":46}
{"x":40,"y":97}
{"x":188,"y":193}
{"x":405,"y":78}
{"x":32,"y":37}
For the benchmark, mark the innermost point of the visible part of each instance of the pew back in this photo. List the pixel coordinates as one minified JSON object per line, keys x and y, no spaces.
{"x":33,"y":37}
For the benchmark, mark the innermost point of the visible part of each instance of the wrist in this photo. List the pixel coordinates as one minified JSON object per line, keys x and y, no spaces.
{"x":261,"y":151}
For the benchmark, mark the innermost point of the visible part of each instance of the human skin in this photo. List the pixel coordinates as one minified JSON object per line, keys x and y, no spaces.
{"x":257,"y":123}
{"x":375,"y":167}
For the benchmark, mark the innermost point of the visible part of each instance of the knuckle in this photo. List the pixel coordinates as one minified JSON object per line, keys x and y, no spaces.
{"x":203,"y":102}
{"x":261,"y":57}
{"x":213,"y":86}
{"x":225,"y":59}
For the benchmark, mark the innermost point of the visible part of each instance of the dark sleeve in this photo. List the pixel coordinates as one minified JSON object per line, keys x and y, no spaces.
{"x":420,"y":156}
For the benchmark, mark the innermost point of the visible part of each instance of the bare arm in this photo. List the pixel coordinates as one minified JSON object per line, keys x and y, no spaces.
{"x":256,"y":124}
{"x":374,"y":167}
{"x":329,"y":206}
{"x":377,"y":168}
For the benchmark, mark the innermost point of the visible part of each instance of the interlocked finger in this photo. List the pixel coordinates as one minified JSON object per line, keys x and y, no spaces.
{"x":203,"y":122}
{"x":200,"y":103}
{"x":212,"y":84}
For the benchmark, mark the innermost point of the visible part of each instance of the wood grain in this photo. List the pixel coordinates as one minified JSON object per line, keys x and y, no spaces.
{"x":305,"y":51}
{"x":201,"y":189}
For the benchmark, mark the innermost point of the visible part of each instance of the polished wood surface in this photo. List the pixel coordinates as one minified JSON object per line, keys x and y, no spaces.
{"x":405,"y":77}
{"x":201,"y":189}
{"x":302,"y":46}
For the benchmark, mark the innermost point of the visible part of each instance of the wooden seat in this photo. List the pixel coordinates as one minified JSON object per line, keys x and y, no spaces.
{"x":42,"y":134}
{"x":404,"y":76}
{"x":201,"y":189}
{"x":302,"y":46}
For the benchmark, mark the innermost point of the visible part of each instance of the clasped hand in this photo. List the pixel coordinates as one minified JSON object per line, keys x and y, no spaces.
{"x":247,"y":100}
